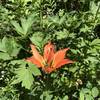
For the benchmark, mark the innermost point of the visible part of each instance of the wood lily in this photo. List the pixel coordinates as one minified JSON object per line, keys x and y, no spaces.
{"x":51,"y":60}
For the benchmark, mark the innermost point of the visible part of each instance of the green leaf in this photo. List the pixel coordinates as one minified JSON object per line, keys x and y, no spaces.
{"x":9,"y":46}
{"x":24,"y":25}
{"x":95,"y":92}
{"x":24,"y":76}
{"x":14,"y":48}
{"x":27,"y":23}
{"x":62,"y":34}
{"x":18,"y":28}
{"x":81,"y":97}
{"x":2,"y":44}
{"x":89,"y":85}
{"x":88,"y":97}
{"x":93,"y":7}
{"x":16,"y":81}
{"x":27,"y":78}
{"x":13,"y":62}
{"x":34,"y":69}
{"x":86,"y":90}
{"x":75,"y":51}
{"x":62,"y":19}
{"x":47,"y":95}
{"x":37,"y":39}
{"x":4,"y":56}
{"x":96,"y":42}
{"x":92,"y":59}
{"x":30,"y":20}
{"x":65,"y":98}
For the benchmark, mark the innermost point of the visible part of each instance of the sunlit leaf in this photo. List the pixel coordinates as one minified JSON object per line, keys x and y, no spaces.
{"x":95,"y":92}
{"x":4,"y":56}
{"x":96,"y":42}
{"x":81,"y":95}
{"x":18,"y":28}
{"x":25,"y":74}
{"x":33,"y":68}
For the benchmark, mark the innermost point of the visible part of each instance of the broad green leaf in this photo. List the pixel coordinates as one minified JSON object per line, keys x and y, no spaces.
{"x":24,"y":25}
{"x":8,"y":48}
{"x":93,"y":7}
{"x":18,"y":28}
{"x":37,"y":39}
{"x":92,"y":59}
{"x":24,"y":76}
{"x":27,"y":23}
{"x":95,"y":92}
{"x":96,"y":42}
{"x":14,"y":48}
{"x":62,"y":34}
{"x":62,"y":19}
{"x":4,"y":56}
{"x":2,"y":44}
{"x":13,"y":62}
{"x":33,"y":69}
{"x":86,"y":90}
{"x":30,"y":20}
{"x":48,"y":97}
{"x":89,"y":85}
{"x":8,"y":45}
{"x":75,"y":51}
{"x":97,"y":47}
{"x":15,"y":51}
{"x":81,"y":96}
{"x":65,"y":98}
{"x":27,"y":78}
{"x":88,"y":97}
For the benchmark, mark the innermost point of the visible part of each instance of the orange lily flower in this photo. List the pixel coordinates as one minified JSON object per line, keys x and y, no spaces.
{"x":51,"y":60}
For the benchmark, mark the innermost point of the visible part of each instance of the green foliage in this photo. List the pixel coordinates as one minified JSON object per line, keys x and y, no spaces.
{"x":24,"y":2}
{"x":25,"y":25}
{"x":89,"y":93}
{"x":25,"y":74}
{"x":9,"y":48}
{"x":66,"y":23}
{"x":39,"y":39}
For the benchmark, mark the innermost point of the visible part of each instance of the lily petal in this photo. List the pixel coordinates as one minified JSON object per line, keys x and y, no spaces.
{"x":34,"y":61}
{"x":63,"y":62}
{"x":59,"y":56}
{"x":48,"y":69}
{"x":36,"y":55}
{"x":48,"y":52}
